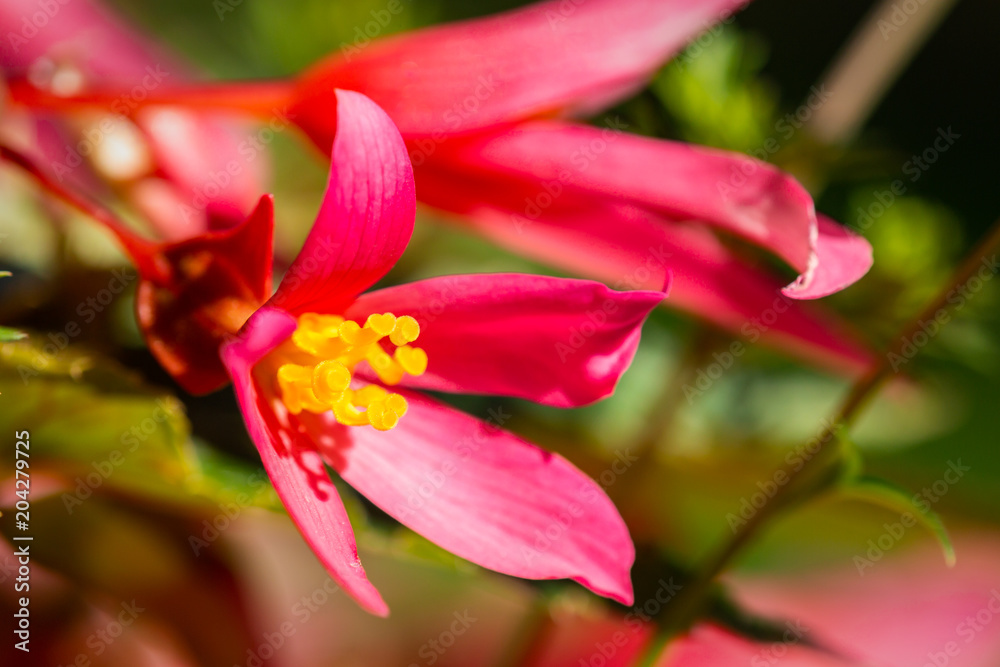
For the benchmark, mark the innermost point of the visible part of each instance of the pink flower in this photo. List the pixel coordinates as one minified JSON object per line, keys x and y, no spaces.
{"x":174,"y":165}
{"x":327,"y":377}
{"x":475,"y":102}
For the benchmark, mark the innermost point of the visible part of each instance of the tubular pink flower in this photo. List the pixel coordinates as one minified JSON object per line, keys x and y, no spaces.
{"x":320,"y":373}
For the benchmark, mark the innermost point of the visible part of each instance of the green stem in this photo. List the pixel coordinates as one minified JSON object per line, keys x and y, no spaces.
{"x":814,"y":475}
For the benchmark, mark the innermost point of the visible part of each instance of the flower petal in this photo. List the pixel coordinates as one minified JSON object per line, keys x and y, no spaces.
{"x":83,"y":46}
{"x":730,"y":191}
{"x":366,"y":218}
{"x":550,"y":340}
{"x":842,"y":258}
{"x":484,"y":494}
{"x":547,"y":58}
{"x":708,"y":645}
{"x":627,"y":247}
{"x":216,"y":281}
{"x":295,"y":468}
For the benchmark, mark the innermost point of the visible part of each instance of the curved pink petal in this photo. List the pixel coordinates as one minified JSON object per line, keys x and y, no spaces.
{"x":550,"y":340}
{"x":366,"y":218}
{"x":550,"y":57}
{"x":844,"y":255}
{"x":730,"y":191}
{"x":628,"y":248}
{"x":292,"y":463}
{"x":485,"y":495}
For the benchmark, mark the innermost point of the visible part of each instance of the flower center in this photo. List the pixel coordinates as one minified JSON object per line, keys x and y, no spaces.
{"x":333,"y":347}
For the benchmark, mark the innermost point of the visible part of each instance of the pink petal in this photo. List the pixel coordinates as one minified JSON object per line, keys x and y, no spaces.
{"x":898,"y":607}
{"x":212,"y":160}
{"x":214,"y":282}
{"x":628,"y":248}
{"x":845,"y":256}
{"x":589,"y":637}
{"x":547,"y":58}
{"x":730,"y":191}
{"x":366,"y":218}
{"x":550,"y":340}
{"x":202,"y":158}
{"x":82,"y":32}
{"x":295,"y":468}
{"x":711,"y":646}
{"x":485,"y":495}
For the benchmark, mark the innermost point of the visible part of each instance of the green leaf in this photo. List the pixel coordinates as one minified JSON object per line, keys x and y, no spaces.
{"x":8,"y":335}
{"x":878,"y":491}
{"x":96,"y":427}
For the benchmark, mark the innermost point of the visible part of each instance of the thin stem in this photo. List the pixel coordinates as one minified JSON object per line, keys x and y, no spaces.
{"x":812,"y":475}
{"x":869,"y":64}
{"x":260,"y":99}
{"x":671,"y":394}
{"x":144,"y":253}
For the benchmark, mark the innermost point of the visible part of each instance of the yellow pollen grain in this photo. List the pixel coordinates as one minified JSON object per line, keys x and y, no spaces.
{"x":332,"y":346}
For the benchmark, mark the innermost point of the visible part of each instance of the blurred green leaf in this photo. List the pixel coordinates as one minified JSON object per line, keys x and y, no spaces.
{"x":715,"y":94}
{"x":97,"y":427}
{"x":8,"y":335}
{"x":883,"y":493}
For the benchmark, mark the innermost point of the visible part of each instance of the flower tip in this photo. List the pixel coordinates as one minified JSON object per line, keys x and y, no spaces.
{"x":378,"y":608}
{"x":618,"y":589}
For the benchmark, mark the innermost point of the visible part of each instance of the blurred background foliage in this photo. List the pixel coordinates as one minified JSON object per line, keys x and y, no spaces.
{"x":731,"y":90}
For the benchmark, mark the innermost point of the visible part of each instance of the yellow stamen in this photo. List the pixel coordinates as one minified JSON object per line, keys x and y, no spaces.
{"x":335,"y":346}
